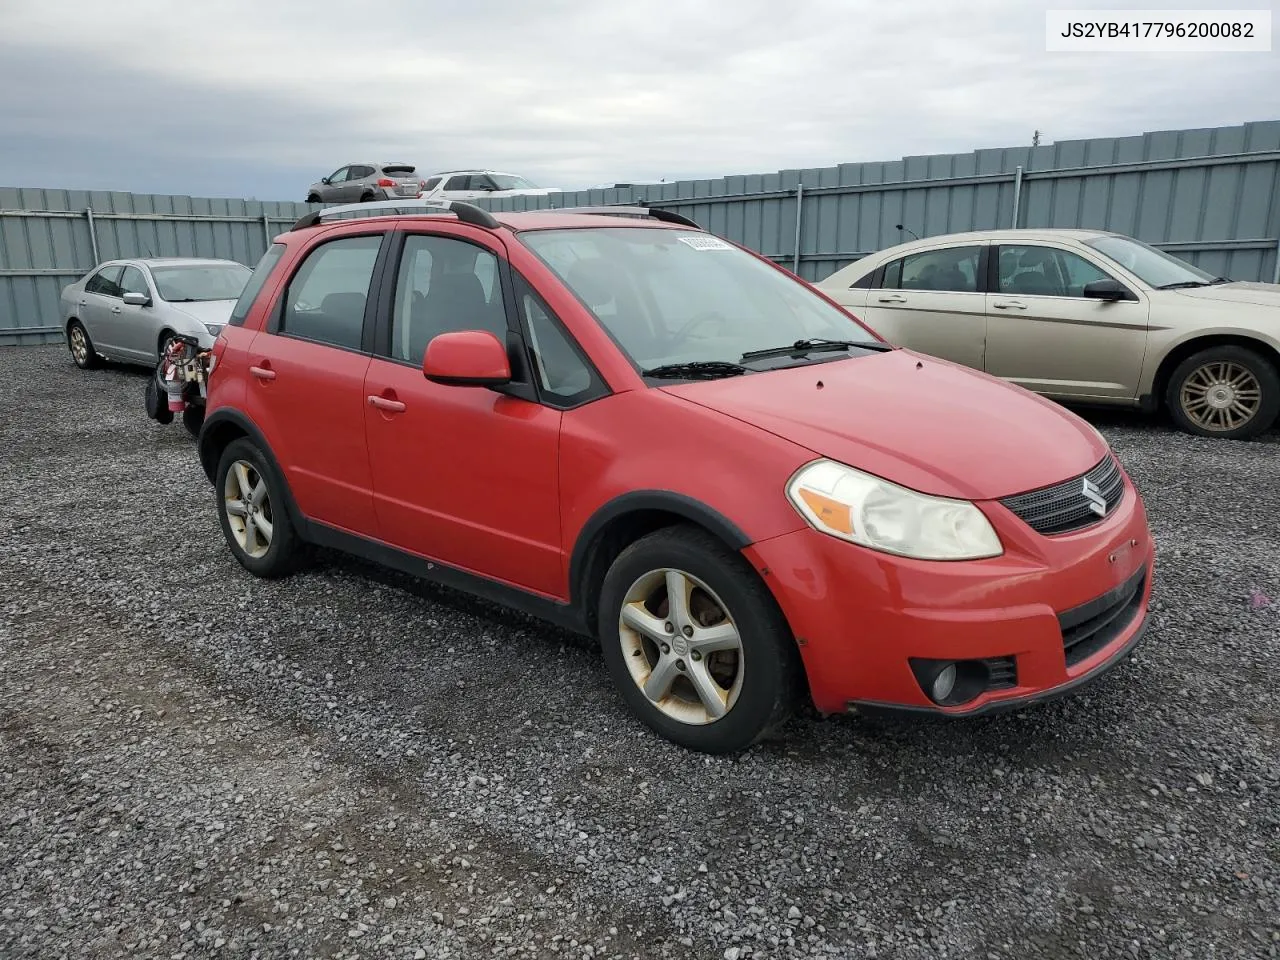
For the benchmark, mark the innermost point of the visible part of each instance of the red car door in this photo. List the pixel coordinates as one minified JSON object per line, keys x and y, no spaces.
{"x":306,"y":385}
{"x":462,"y":475}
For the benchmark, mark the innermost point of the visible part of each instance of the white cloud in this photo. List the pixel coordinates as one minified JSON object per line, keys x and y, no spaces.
{"x":579,"y":91}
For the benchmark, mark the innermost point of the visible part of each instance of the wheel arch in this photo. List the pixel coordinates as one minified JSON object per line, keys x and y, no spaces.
{"x":622,"y":521}
{"x":222,"y":428}
{"x":1193,"y":345}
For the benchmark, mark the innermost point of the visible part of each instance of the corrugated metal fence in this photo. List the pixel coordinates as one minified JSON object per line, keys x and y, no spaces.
{"x":50,"y":237}
{"x":1211,"y":196}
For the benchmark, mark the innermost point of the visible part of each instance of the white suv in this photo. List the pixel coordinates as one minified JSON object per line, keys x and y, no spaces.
{"x":473,"y":184}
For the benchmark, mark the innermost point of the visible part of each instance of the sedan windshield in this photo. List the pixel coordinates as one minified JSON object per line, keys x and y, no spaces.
{"x":194,"y":282}
{"x":1154,"y":267}
{"x":670,"y":297}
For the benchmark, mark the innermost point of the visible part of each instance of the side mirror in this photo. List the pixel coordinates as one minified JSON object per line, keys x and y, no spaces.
{"x":325,"y":181}
{"x":1107,"y":290}
{"x":467,"y":358}
{"x":137,"y":299}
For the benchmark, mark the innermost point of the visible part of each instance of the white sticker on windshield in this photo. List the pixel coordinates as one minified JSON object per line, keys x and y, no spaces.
{"x":704,"y":242}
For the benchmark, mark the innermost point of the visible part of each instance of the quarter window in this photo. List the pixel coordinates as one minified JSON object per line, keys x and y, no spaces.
{"x":1035,"y":271}
{"x":952,"y":270}
{"x":432,"y":183}
{"x":563,"y":375}
{"x":256,"y":282}
{"x":327,"y":296}
{"x":444,"y":285}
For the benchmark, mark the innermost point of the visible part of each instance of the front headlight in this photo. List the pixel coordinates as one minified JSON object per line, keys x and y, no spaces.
{"x":866,"y":510}
{"x":214,"y":328}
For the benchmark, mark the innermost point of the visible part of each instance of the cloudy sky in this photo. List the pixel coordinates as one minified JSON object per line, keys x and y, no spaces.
{"x":261,"y":97}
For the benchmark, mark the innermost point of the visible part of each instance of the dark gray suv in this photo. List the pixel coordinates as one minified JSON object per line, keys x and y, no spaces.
{"x":361,"y":182}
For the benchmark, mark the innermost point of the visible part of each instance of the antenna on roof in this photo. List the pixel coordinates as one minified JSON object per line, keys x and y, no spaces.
{"x":898,"y":226}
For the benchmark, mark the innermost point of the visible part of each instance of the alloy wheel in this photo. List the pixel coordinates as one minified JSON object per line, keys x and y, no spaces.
{"x":1221,"y":396}
{"x":248,"y":506}
{"x":681,"y":646}
{"x":79,"y":345}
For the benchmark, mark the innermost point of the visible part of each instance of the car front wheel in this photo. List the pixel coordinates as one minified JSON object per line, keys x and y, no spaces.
{"x":1229,"y":392}
{"x":695,"y":642}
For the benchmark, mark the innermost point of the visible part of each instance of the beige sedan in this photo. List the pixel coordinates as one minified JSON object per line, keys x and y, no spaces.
{"x":1081,"y":316}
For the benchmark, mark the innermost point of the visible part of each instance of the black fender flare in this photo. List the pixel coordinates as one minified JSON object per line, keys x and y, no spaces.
{"x":635,"y":501}
{"x":232,"y":417}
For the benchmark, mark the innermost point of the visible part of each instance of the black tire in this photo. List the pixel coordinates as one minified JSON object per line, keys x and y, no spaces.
{"x":768,"y":660}
{"x":1263,"y":374}
{"x":89,"y":360}
{"x":366,"y":198}
{"x":193,"y":419}
{"x":156,"y":400}
{"x":283,"y":554}
{"x":313,"y":198}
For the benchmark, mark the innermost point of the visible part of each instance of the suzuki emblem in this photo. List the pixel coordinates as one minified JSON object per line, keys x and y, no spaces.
{"x":1093,"y":493}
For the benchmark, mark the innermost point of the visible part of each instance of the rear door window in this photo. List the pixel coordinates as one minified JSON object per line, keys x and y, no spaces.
{"x":950,"y":270}
{"x":325,"y":300}
{"x":460,"y":182}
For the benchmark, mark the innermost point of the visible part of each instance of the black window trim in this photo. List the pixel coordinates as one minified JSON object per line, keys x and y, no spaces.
{"x":366,"y":332}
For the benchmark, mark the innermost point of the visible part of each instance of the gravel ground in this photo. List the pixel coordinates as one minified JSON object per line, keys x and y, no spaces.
{"x":197,"y":763}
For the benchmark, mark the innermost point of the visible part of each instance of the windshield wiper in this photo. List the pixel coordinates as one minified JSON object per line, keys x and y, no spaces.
{"x":696,"y":369}
{"x":1217,"y":280}
{"x":1182,"y":285}
{"x":802,"y":347}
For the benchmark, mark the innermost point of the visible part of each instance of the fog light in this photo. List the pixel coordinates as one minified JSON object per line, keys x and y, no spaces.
{"x":944,"y":683}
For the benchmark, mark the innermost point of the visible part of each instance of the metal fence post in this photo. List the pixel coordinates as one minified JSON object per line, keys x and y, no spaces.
{"x":1017,"y":194}
{"x":93,"y":235}
{"x":266,"y":231}
{"x":1275,"y":272}
{"x":799,"y":210}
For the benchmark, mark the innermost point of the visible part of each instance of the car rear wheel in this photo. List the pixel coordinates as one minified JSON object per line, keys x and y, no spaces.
{"x":81,"y":347}
{"x":1229,"y":392}
{"x":696,"y":643}
{"x":252,"y":512}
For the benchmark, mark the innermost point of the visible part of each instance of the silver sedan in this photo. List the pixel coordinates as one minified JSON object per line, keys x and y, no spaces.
{"x":127,"y":310}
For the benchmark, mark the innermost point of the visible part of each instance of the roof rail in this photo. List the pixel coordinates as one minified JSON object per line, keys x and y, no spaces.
{"x":622,"y":210}
{"x":466,"y":212}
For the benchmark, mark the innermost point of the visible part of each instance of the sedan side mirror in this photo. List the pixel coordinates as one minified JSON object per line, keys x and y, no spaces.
{"x":467,"y":358}
{"x":1107,"y":290}
{"x":137,"y":299}
{"x":325,"y":181}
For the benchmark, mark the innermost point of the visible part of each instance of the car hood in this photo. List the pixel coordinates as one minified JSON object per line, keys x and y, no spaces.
{"x":1260,"y":294}
{"x":204,"y":311}
{"x":924,"y":423}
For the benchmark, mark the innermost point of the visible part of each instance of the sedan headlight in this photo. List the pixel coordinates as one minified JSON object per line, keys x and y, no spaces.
{"x":214,"y":328}
{"x":866,"y":510}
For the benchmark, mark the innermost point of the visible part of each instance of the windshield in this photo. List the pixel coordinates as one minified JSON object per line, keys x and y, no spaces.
{"x":507,"y":181}
{"x":667,"y":296}
{"x":221,"y":281}
{"x":1154,"y":267}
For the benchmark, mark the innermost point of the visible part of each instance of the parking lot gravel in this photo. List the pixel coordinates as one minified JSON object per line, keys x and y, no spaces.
{"x":195,"y":763}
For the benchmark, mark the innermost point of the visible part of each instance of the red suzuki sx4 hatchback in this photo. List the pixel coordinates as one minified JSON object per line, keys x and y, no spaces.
{"x":624,"y":424}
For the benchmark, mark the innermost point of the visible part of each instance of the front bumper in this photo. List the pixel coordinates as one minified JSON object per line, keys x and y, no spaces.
{"x":860,"y":616}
